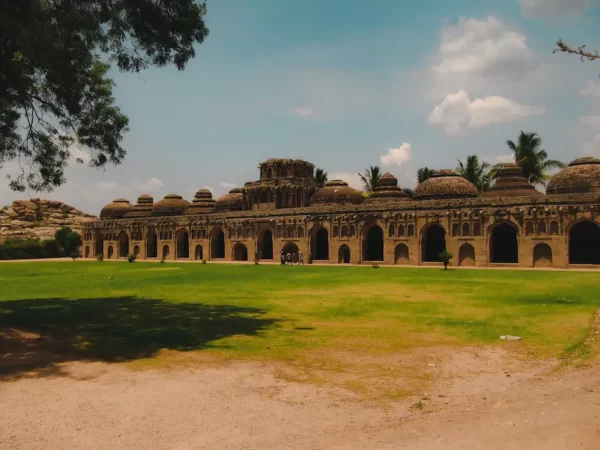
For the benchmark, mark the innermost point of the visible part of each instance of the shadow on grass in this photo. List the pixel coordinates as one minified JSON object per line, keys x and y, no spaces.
{"x":37,"y":334}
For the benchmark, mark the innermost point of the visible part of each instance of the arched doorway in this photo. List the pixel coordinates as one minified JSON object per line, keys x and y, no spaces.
{"x":136,"y":251}
{"x":217,"y":244}
{"x":87,"y":251}
{"x":373,"y":244}
{"x":109,"y":252}
{"x":199,"y":253}
{"x":466,"y":255}
{"x":344,"y":255}
{"x":265,"y":244}
{"x":182,"y":250}
{"x":401,"y":254}
{"x":584,"y":243}
{"x":504,"y":247}
{"x":166,"y":251}
{"x":240,"y":252}
{"x":123,"y":245}
{"x":151,"y":244}
{"x":433,"y":243}
{"x":319,"y":244}
{"x":542,"y":255}
{"x":99,"y":243}
{"x":291,"y":248}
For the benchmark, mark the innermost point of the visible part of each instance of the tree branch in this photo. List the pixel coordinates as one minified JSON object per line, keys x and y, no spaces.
{"x":564,"y":48}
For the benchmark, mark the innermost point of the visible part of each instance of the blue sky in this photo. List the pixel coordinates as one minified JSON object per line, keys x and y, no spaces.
{"x":348,"y":84}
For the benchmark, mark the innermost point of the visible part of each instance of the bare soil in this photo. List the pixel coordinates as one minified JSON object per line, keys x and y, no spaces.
{"x":483,"y":398}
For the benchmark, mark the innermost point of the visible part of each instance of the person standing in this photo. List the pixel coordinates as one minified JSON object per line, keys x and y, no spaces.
{"x":282,"y":258}
{"x":300,"y":259}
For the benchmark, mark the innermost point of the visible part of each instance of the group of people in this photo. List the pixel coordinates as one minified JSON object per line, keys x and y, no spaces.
{"x":289,"y":259}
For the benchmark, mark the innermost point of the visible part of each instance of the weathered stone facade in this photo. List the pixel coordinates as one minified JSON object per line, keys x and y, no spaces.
{"x":511,"y":224}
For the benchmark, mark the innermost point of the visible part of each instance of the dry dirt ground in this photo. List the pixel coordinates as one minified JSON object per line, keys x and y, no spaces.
{"x":482,"y":399}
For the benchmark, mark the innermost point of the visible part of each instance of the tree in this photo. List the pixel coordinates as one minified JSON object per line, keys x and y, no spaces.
{"x":532,"y":160}
{"x":68,"y":240}
{"x":424,"y":173}
{"x":321,"y":177}
{"x":581,"y":51}
{"x":370,"y":178}
{"x":445,"y":257}
{"x":408,"y":192}
{"x":55,"y":92}
{"x":475,"y":172}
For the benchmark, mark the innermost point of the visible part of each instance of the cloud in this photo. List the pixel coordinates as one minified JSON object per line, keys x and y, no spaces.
{"x":592,"y":89}
{"x":509,"y":157}
{"x":457,"y":112}
{"x":109,"y":186}
{"x":482,"y":47}
{"x":554,"y":9}
{"x":148,"y":186}
{"x":303,"y":112}
{"x":352,"y":178}
{"x":227,"y":185}
{"x":396,"y":155}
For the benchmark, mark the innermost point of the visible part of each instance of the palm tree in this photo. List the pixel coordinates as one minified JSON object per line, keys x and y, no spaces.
{"x":475,"y":172}
{"x":370,"y":178}
{"x":532,"y":160}
{"x":320,"y":177}
{"x":424,"y":173}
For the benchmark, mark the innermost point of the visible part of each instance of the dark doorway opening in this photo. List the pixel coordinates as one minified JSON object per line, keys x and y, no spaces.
{"x":183,"y":245}
{"x":373,"y":244}
{"x":344,"y":255}
{"x":434,"y":243}
{"x":584,"y":243}
{"x":123,"y":245}
{"x":504,"y":247}
{"x":265,"y":244}
{"x":240,"y":252}
{"x":320,"y":245}
{"x":151,"y":244}
{"x":217,"y":244}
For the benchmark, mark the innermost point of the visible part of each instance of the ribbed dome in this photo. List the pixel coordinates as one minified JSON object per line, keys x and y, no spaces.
{"x":203,"y":203}
{"x":511,"y":183}
{"x":143,"y":207}
{"x":231,"y":202}
{"x":445,"y":184}
{"x":387,"y":187}
{"x":336,"y":191}
{"x":171,"y":205}
{"x":116,"y":209}
{"x":582,"y":175}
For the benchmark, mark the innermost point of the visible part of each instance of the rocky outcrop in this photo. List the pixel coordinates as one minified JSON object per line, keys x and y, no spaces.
{"x":39,"y":218}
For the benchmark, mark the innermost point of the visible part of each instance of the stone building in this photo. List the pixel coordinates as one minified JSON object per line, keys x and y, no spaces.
{"x":285,"y":211}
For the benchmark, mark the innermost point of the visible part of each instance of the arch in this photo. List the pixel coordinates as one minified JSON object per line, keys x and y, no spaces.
{"x":336,"y":231}
{"x":344,"y":254}
{"x":262,"y":196}
{"x":182,"y":248}
{"x":240,"y":252}
{"x":87,"y":251}
{"x":110,"y":252}
{"x":411,"y":230}
{"x":269,"y":173}
{"x":265,"y":244}
{"x":247,"y":232}
{"x":300,"y":232}
{"x":433,"y":242}
{"x":99,"y":243}
{"x":400,"y":230}
{"x":319,"y":244}
{"x":476,"y":229}
{"x":198,"y":253}
{"x":584,"y":243}
{"x":136,"y":251}
{"x":455,"y":229}
{"x":217,"y":244}
{"x":166,"y":251}
{"x":504,"y":246}
{"x":289,"y":232}
{"x":151,"y":244}
{"x":542,"y":255}
{"x":529,"y":228}
{"x":352,"y":231}
{"x":344,"y":232}
{"x":466,"y":255}
{"x":391,"y":231}
{"x":554,"y":228}
{"x":466,"y":229}
{"x":123,"y":245}
{"x":401,"y":254}
{"x":542,"y":227}
{"x":373,"y":244}
{"x":291,"y":248}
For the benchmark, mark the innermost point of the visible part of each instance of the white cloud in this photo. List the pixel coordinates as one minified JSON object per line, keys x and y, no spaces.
{"x":592,"y":89}
{"x":109,"y":186}
{"x":396,"y":155}
{"x":554,"y":9}
{"x":457,"y":112}
{"x":303,"y":112}
{"x":148,"y":186}
{"x":352,"y":178}
{"x":509,"y":157}
{"x":482,"y":47}
{"x":592,"y":122}
{"x":227,"y":185}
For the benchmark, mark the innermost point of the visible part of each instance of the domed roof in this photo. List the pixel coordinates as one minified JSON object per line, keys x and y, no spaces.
{"x":511,"y":183}
{"x":232,"y":201}
{"x":203,"y":203}
{"x":116,"y":209}
{"x":171,"y":205}
{"x":336,"y":191}
{"x":445,"y":184}
{"x":387,"y":187}
{"x":582,"y":175}
{"x":143,"y":208}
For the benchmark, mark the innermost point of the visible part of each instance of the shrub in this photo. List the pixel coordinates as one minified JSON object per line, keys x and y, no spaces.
{"x":30,"y":248}
{"x":203,"y":261}
{"x":445,"y":257}
{"x":375,"y":266}
{"x":257,"y":256}
{"x":100,"y":257}
{"x":68,"y":240}
{"x":75,"y":255}
{"x":131,"y":258}
{"x":162,"y":261}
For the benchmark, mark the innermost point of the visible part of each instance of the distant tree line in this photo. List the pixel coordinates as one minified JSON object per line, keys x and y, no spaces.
{"x":66,"y":242}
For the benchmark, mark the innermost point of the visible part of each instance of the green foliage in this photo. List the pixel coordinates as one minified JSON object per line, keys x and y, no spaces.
{"x":445,"y":257}
{"x":131,"y":258}
{"x":74,"y":254}
{"x":29,"y":249}
{"x":532,"y":160}
{"x":203,"y":261}
{"x":424,"y":173}
{"x":162,"y":261}
{"x":55,"y":91}
{"x":100,"y":257}
{"x":68,"y":240}
{"x":257,"y":257}
{"x":370,"y":178}
{"x":475,"y":172}
{"x":321,"y":177}
{"x":408,"y":192}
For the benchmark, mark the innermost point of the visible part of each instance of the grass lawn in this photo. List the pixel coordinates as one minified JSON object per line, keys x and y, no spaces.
{"x":319,"y":320}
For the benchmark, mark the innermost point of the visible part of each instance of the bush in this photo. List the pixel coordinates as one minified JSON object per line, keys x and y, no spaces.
{"x":203,"y":261}
{"x":257,"y":256}
{"x":375,"y":266}
{"x":162,"y":261}
{"x":75,"y":255}
{"x":445,"y":257}
{"x":31,"y":248}
{"x":131,"y":258}
{"x":100,"y":257}
{"x":68,"y":240}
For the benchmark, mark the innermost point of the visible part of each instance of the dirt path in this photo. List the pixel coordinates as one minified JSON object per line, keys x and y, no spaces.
{"x":480,"y":402}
